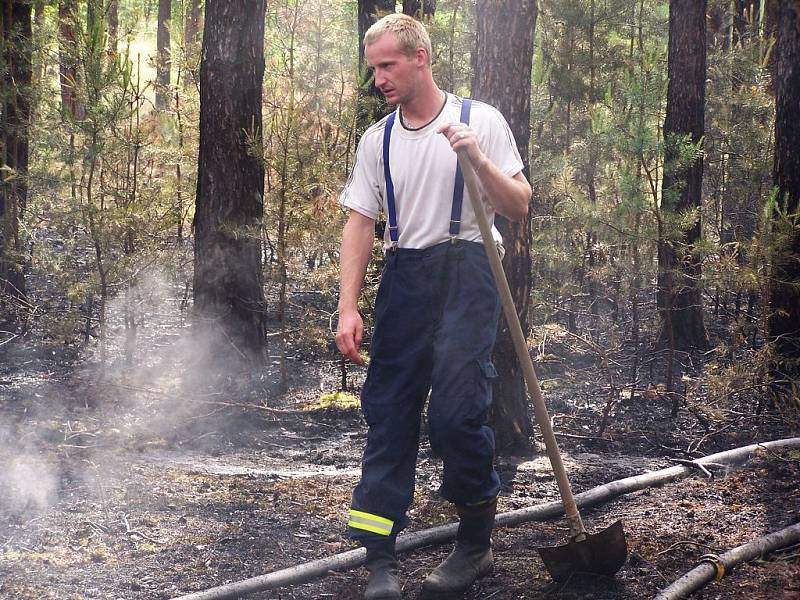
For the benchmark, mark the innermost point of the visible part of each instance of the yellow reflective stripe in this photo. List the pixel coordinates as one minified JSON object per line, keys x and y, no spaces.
{"x":371,"y":523}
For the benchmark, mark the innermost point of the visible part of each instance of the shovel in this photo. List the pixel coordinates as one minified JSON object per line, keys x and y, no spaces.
{"x":603,"y":553}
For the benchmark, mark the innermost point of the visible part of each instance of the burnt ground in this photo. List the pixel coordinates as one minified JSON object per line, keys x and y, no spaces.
{"x":151,"y":482}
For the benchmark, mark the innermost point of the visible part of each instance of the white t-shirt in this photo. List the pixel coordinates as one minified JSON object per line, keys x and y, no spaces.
{"x":423,"y":167}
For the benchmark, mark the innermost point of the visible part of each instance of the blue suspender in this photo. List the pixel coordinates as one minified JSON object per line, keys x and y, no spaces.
{"x":387,"y":137}
{"x":458,"y":191}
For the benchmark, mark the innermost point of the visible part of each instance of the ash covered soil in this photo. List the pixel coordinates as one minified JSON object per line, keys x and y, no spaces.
{"x":150,"y":482}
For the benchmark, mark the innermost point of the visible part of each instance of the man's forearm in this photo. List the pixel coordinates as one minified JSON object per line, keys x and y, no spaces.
{"x":355,"y":253}
{"x":508,"y":195}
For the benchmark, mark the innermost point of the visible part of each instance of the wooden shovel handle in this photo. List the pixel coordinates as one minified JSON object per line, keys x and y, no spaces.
{"x":577,"y":530}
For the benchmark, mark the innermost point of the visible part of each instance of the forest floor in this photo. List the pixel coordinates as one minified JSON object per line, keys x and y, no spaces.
{"x":149,"y":483}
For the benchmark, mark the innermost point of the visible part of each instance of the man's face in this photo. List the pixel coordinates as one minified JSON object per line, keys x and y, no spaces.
{"x":396,"y":74}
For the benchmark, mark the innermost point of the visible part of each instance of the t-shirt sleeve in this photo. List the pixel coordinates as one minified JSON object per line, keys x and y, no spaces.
{"x":363,"y":192}
{"x":499,"y":145}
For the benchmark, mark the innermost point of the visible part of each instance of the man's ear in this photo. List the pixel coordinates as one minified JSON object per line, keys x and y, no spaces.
{"x":421,"y":57}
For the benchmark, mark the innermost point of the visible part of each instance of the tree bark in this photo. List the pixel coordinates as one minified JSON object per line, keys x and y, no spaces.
{"x":679,"y":268}
{"x":192,"y":28}
{"x":67,"y":59}
{"x":784,"y":321}
{"x":371,"y":105}
{"x":163,"y":58}
{"x":16,"y":49}
{"x":770,"y":31}
{"x":503,"y":60}
{"x":419,"y":9}
{"x":228,"y":287}
{"x":113,"y":25}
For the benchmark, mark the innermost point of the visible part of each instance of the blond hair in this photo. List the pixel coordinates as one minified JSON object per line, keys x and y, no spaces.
{"x":410,"y":33}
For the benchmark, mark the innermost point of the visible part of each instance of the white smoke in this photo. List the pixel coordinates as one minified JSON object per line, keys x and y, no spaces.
{"x":28,"y":482}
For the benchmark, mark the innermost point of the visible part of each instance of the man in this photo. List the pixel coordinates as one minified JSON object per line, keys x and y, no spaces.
{"x":437,"y":306}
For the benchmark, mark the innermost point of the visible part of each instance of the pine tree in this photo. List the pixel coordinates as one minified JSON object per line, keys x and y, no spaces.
{"x":784,"y":322}
{"x":679,"y":297}
{"x":503,"y":60}
{"x":230,"y":181}
{"x":16,"y":73}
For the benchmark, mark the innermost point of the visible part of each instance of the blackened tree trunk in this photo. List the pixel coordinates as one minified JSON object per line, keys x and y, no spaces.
{"x":67,"y":58}
{"x":163,"y":57}
{"x":784,"y":322}
{"x":371,"y":105}
{"x":502,"y":77}
{"x":15,"y":54}
{"x":679,"y":267}
{"x":228,"y":288}
{"x":419,"y":9}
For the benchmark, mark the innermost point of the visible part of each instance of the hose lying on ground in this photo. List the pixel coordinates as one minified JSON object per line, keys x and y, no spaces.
{"x":716,"y":567}
{"x":314,"y":569}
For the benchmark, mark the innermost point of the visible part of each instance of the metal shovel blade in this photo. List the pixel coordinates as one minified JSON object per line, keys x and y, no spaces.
{"x":601,"y":553}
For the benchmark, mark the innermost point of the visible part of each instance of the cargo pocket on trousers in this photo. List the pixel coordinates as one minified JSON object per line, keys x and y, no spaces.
{"x":484,"y":375}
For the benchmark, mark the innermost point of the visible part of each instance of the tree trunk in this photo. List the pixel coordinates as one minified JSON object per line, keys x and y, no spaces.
{"x":163,"y":60}
{"x":113,"y":25}
{"x":192,"y":27}
{"x":16,"y":51}
{"x":419,"y":9}
{"x":771,"y":10}
{"x":40,"y":39}
{"x":679,"y":268}
{"x":371,"y":105}
{"x":228,"y":288}
{"x":769,"y":32}
{"x":67,"y":59}
{"x":784,"y":321}
{"x":191,"y":44}
{"x":503,"y":61}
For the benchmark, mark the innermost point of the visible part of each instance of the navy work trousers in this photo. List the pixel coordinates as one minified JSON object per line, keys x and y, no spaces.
{"x":435,"y":324}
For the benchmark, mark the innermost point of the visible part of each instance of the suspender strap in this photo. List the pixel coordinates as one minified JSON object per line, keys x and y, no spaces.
{"x":387,"y":137}
{"x":458,"y":190}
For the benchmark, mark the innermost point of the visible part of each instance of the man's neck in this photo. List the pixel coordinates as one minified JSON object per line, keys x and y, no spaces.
{"x":424,"y":107}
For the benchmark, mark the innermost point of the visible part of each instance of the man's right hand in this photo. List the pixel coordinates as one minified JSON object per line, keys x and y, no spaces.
{"x":349,"y":332}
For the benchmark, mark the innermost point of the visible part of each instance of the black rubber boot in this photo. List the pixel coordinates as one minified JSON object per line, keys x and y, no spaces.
{"x":471,"y":558}
{"x":383,"y":583}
